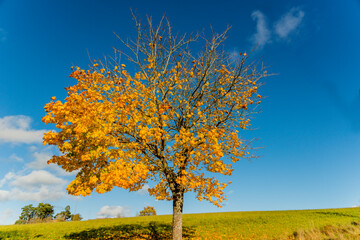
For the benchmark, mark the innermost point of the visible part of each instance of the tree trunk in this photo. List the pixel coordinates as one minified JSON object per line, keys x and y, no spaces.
{"x":178,"y":201}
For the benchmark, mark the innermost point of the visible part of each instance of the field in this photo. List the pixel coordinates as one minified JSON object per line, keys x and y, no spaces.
{"x":301,"y":224}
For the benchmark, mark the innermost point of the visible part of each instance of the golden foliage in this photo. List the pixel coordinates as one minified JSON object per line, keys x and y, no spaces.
{"x":148,"y":211}
{"x":176,"y":122}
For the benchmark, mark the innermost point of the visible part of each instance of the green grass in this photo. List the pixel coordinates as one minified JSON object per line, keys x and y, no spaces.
{"x":231,"y":225}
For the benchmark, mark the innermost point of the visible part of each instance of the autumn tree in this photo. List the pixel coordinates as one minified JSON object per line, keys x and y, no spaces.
{"x":148,"y":211}
{"x":174,"y":123}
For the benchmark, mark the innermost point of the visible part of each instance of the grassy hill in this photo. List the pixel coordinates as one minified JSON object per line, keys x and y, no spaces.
{"x":302,"y":224}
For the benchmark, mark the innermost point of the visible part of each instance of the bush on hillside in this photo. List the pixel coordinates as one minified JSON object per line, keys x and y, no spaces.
{"x":148,"y":211}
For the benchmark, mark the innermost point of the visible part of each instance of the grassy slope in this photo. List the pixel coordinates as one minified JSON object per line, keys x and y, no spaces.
{"x":232,"y":225}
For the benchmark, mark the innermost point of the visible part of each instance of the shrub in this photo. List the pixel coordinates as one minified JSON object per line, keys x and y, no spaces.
{"x":148,"y":211}
{"x":76,"y":217}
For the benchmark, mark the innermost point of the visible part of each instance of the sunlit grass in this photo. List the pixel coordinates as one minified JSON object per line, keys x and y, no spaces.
{"x":231,"y":225}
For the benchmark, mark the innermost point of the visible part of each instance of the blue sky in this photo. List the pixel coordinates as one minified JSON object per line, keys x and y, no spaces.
{"x":308,"y":131}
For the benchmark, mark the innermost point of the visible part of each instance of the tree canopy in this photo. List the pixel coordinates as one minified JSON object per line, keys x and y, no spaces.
{"x":28,"y":213}
{"x":148,"y":211}
{"x":64,"y":215}
{"x":32,"y":214}
{"x":174,"y":123}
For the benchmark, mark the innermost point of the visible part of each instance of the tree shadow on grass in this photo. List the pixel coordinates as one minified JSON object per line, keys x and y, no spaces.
{"x":14,"y":235}
{"x":338,"y":214}
{"x":153,"y":231}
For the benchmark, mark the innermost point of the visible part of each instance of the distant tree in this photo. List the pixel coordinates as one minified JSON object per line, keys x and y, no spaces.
{"x":59,"y":217}
{"x":76,"y":217}
{"x":176,"y":122}
{"x":27,"y":214}
{"x":148,"y":211}
{"x":64,"y":215}
{"x":44,"y":211}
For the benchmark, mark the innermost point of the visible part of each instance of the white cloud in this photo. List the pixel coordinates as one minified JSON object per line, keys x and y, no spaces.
{"x":6,"y":178}
{"x":16,"y":129}
{"x":113,"y":211}
{"x":289,"y":22}
{"x":40,"y":162}
{"x":36,"y":186}
{"x":16,"y":158}
{"x":143,"y":190}
{"x":282,"y":28}
{"x":44,"y":193}
{"x":4,"y":195}
{"x":33,"y":148}
{"x":37,"y":179}
{"x":262,"y":34}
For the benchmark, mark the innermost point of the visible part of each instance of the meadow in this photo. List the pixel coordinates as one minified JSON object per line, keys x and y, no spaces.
{"x":298,"y":224}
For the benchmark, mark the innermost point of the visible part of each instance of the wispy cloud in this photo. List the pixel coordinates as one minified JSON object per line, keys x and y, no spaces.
{"x":16,"y":129}
{"x":144,"y":190}
{"x":6,"y":178}
{"x":289,"y":22}
{"x":40,"y":162}
{"x":262,"y":34}
{"x":281,"y":29}
{"x":234,"y":54}
{"x":113,"y":212}
{"x":16,"y":158}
